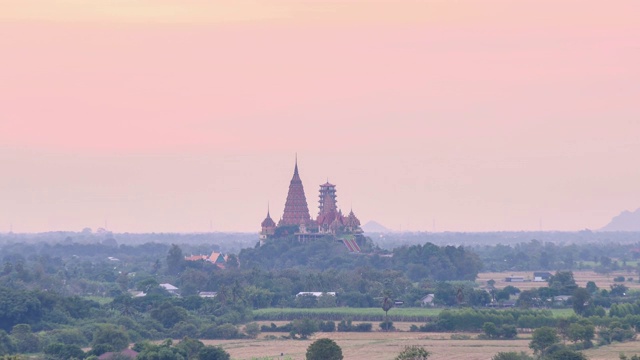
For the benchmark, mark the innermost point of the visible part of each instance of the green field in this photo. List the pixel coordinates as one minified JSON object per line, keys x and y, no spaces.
{"x":362,"y":314}
{"x":99,"y":299}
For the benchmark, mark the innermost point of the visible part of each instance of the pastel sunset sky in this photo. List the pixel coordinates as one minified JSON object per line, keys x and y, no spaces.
{"x":167,"y":115}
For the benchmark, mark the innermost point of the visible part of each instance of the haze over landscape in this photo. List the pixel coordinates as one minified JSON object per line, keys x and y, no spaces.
{"x":182,"y":116}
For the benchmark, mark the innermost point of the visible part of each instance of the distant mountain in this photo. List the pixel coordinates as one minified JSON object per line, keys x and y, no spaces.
{"x":626,"y":221}
{"x":374,"y":227}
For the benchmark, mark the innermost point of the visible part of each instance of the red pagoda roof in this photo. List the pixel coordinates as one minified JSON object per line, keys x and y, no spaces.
{"x":296,"y":211}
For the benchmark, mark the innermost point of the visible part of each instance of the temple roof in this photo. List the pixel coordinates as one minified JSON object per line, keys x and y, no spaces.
{"x":296,"y":210}
{"x":352,"y":220}
{"x":268,"y":221}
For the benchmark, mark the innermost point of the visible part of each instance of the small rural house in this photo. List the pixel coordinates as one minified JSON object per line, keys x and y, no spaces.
{"x":170,"y":289}
{"x":427,"y":300}
{"x":541,"y":276}
{"x":315,"y":293}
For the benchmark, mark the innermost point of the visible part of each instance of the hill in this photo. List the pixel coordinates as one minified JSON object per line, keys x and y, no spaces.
{"x":625,"y":221}
{"x":374,"y":227}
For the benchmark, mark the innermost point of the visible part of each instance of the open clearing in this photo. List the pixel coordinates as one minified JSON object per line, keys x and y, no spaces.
{"x":385,"y":346}
{"x":603,"y":281}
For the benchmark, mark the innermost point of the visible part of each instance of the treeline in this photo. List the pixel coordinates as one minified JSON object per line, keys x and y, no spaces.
{"x":574,"y":328}
{"x":418,"y":262}
{"x":538,"y":255}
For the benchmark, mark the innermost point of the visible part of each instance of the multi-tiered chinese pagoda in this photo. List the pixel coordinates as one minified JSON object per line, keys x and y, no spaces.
{"x":297,"y":221}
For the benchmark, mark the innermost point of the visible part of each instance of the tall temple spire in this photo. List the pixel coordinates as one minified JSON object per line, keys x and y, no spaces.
{"x":296,"y":210}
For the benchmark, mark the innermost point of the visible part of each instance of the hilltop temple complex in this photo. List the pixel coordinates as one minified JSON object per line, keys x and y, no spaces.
{"x":297,"y":221}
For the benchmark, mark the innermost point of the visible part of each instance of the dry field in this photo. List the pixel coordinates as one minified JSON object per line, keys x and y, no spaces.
{"x":582,"y":277}
{"x":385,"y":346}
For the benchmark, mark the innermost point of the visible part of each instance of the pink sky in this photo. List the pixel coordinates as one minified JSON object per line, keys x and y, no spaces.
{"x":165,"y":115}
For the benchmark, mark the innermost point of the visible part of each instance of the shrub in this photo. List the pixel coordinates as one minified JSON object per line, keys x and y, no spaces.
{"x":274,"y":328}
{"x":327,"y":326}
{"x":512,"y":355}
{"x":347,"y":326}
{"x":213,"y":353}
{"x":304,"y":328}
{"x":387,"y":326}
{"x":63,"y":352}
{"x":252,"y":330}
{"x":324,"y":349}
{"x":413,"y":353}
{"x":226,"y":331}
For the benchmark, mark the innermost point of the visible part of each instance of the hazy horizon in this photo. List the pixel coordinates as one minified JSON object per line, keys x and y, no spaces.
{"x":185,"y":116}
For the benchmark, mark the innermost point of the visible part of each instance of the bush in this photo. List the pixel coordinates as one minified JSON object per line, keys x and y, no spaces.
{"x":63,"y":352}
{"x":327,"y":326}
{"x":512,"y":355}
{"x":7,"y":345}
{"x":252,"y":330}
{"x":213,"y":353}
{"x":303,"y":327}
{"x":183,"y":329}
{"x":226,"y":331}
{"x":324,"y":349}
{"x":618,"y":279}
{"x":387,"y":326}
{"x":110,"y":335}
{"x":347,"y":326}
{"x":413,"y":353}
{"x":68,"y":336}
{"x":274,"y":328}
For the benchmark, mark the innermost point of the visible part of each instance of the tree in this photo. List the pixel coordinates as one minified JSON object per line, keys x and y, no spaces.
{"x":542,"y":339}
{"x":618,"y":290}
{"x":324,"y":349}
{"x":413,"y":353}
{"x":591,"y":287}
{"x":189,"y":347}
{"x":563,"y":282}
{"x":18,"y":307}
{"x":168,"y":314}
{"x":490,"y":330}
{"x":387,"y":304}
{"x":175,"y":260}
{"x":7,"y":346}
{"x":253,"y":330}
{"x":213,"y":353}
{"x":512,"y":355}
{"x":63,"y":352}
{"x":304,"y":327}
{"x":579,"y":332}
{"x":26,"y":341}
{"x":110,"y":335}
{"x":580,"y":300}
{"x":566,"y":354}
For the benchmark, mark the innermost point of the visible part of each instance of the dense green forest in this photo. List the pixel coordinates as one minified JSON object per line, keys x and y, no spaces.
{"x":58,"y":297}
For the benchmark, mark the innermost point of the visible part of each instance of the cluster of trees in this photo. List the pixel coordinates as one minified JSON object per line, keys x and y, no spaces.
{"x":417,"y":262}
{"x":59,"y":298}
{"x":537,"y":255}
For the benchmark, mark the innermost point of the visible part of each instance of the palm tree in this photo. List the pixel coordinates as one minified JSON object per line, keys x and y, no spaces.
{"x":387,"y":304}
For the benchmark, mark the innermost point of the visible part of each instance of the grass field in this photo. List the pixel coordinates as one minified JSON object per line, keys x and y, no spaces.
{"x":99,"y":299}
{"x":415,"y":315}
{"x":339,"y":313}
{"x":385,"y":346}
